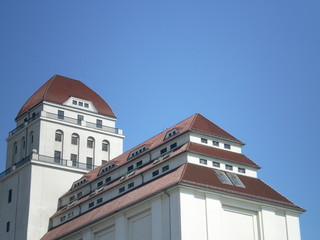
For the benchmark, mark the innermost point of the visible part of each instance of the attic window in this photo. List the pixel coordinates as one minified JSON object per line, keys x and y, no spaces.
{"x":137,"y":151}
{"x":79,"y":182}
{"x":223,"y":177}
{"x":107,"y":168}
{"x":227,"y":146}
{"x":229,"y":178}
{"x":171,"y":133}
{"x":235,"y":180}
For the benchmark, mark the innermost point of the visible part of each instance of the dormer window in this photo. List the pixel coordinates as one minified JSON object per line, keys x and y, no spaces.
{"x":137,"y":152}
{"x":107,"y":168}
{"x":79,"y":182}
{"x":171,"y":133}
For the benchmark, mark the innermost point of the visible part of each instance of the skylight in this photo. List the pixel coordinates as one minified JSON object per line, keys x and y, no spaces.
{"x":229,"y":178}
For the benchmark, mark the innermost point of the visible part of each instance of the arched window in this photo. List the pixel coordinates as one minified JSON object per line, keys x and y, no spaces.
{"x":75,"y":139}
{"x":90,"y":142}
{"x":105,"y":145}
{"x":15,"y":148}
{"x":31,"y":138}
{"x":58,"y":136}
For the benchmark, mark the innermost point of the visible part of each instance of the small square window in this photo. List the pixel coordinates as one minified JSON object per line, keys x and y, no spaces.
{"x":72,"y":198}
{"x":215,"y":143}
{"x":227,"y":146}
{"x":204,"y":140}
{"x":74,"y":102}
{"x":70,"y":215}
{"x":91,"y":204}
{"x":165,"y":168}
{"x":139,"y":163}
{"x":80,"y":104}
{"x":122,"y":189}
{"x":131,"y":185}
{"x":99,"y":184}
{"x":105,"y":146}
{"x":86,"y":105}
{"x":164,"y":150}
{"x":241,"y":170}
{"x":79,"y":194}
{"x":155,"y":173}
{"x":99,"y":200}
{"x":174,"y":145}
{"x":130,"y":168}
{"x":229,"y":167}
{"x":203,"y":161}
{"x":63,"y":218}
{"x":58,"y":137}
{"x":215,"y":164}
{"x":108,"y":179}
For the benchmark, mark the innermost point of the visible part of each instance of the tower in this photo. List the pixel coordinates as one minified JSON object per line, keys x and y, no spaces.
{"x":62,"y":131}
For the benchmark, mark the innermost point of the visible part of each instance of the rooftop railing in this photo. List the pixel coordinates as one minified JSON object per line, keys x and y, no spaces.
{"x":47,"y":159}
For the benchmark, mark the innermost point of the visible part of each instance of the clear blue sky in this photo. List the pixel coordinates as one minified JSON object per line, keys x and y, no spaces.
{"x":251,"y":67}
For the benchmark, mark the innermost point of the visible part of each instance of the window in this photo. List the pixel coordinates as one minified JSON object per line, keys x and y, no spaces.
{"x":99,"y":123}
{"x":227,"y":146}
{"x":90,"y":142}
{"x":86,"y":105}
{"x":165,"y":168}
{"x":57,"y":156}
{"x":79,"y":194}
{"x":72,"y":198}
{"x":139,"y":163}
{"x":74,"y":102}
{"x":91,"y":204}
{"x":215,"y":164}
{"x":215,"y":143}
{"x":74,"y":159}
{"x":15,"y":146}
{"x":80,"y":104}
{"x":130,"y":168}
{"x":8,"y":227}
{"x":229,"y":167}
{"x":173,"y":145}
{"x":89,"y":163}
{"x":74,"y":139}
{"x":108,"y":179}
{"x":204,"y":140}
{"x":155,"y":173}
{"x":223,"y":177}
{"x":122,"y":189}
{"x":203,"y":161}
{"x":31,"y":137}
{"x":99,"y":184}
{"x":79,"y":119}
{"x":131,"y":185}
{"x":99,"y":200}
{"x":58,"y":136}
{"x":235,"y":180}
{"x":63,"y":218}
{"x":70,"y":215}
{"x":164,"y":150}
{"x":60,"y":114}
{"x":105,"y":145}
{"x":10,"y":196}
{"x":241,"y":170}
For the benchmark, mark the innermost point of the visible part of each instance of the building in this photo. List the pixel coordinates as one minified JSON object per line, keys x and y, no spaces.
{"x":190,"y":181}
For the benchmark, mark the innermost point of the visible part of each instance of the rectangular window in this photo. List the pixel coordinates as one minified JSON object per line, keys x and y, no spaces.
{"x":227,"y":146}
{"x":215,"y":164}
{"x":57,"y":156}
{"x":74,"y":140}
{"x":8,"y":227}
{"x":89,"y":143}
{"x":72,"y":198}
{"x":74,"y":160}
{"x":74,"y":102}
{"x":130,"y":168}
{"x":131,"y":185}
{"x":108,"y":179}
{"x":229,"y":167}
{"x":86,"y":105}
{"x":122,"y":189}
{"x":105,"y":146}
{"x":203,"y":161}
{"x":155,"y":173}
{"x":91,"y":204}
{"x":241,"y":170}
{"x":10,"y":196}
{"x":204,"y":140}
{"x":79,"y":194}
{"x":174,"y":145}
{"x":165,"y":168}
{"x":60,"y":114}
{"x":139,"y":164}
{"x":79,"y":119}
{"x":99,"y":184}
{"x":164,"y":150}
{"x":89,"y":163}
{"x":99,"y":123}
{"x":215,"y":143}
{"x":80,"y":104}
{"x":70,"y":215}
{"x":63,"y":218}
{"x":99,"y":200}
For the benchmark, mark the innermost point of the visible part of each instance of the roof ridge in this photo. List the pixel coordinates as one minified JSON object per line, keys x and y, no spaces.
{"x":49,"y":84}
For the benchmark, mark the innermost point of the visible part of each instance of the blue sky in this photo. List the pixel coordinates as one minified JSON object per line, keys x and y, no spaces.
{"x":252,"y":67}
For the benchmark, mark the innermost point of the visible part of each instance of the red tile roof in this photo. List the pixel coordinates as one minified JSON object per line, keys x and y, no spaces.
{"x":58,"y":89}
{"x":188,"y":174}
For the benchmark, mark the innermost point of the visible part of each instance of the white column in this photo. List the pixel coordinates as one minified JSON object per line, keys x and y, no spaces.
{"x":293,"y":226}
{"x":268,"y":223}
{"x":214,"y":218}
{"x":121,"y":228}
{"x":156,"y":210}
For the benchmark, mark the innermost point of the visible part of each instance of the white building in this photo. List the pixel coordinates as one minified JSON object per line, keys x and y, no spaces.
{"x":188,"y":182}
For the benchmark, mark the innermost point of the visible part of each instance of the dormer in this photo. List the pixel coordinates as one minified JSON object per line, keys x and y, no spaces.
{"x":137,"y":152}
{"x":81,"y":104}
{"x":107,"y":168}
{"x":170,"y":134}
{"x":79,"y":182}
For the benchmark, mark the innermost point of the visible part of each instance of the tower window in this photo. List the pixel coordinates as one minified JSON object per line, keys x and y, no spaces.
{"x":74,"y":158}
{"x":229,"y":167}
{"x":89,"y":162}
{"x":58,"y":136}
{"x":60,"y":114}
{"x":10,"y":196}
{"x":241,"y":170}
{"x":79,"y":119}
{"x":99,"y":123}
{"x":105,"y":146}
{"x":57,"y":156}
{"x":74,"y":139}
{"x":203,"y":161}
{"x":90,"y":143}
{"x":204,"y":140}
{"x":74,"y":102}
{"x":8,"y":227}
{"x":227,"y":146}
{"x":80,"y":104}
{"x":215,"y":164}
{"x":86,"y":105}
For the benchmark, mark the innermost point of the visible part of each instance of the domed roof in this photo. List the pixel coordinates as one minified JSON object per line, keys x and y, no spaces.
{"x":59,"y":89}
